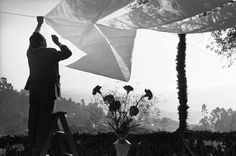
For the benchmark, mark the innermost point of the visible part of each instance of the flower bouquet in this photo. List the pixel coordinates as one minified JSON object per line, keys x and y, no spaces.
{"x":121,"y":115}
{"x":121,"y":111}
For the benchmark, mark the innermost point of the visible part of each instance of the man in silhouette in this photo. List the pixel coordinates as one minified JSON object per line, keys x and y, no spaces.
{"x":42,"y":85}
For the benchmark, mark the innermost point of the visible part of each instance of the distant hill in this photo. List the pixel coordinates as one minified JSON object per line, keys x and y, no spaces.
{"x":171,"y":125}
{"x":221,"y":96}
{"x":193,"y":116}
{"x":76,"y":95}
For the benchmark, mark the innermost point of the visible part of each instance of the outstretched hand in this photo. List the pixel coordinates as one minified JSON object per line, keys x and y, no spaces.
{"x":55,"y":39}
{"x":40,"y":19}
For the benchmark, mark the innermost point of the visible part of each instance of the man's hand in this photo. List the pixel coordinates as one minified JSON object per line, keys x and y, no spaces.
{"x":55,"y":40}
{"x":40,"y":20}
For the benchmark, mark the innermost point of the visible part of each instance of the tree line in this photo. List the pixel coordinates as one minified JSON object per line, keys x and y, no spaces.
{"x":14,"y":107}
{"x":219,"y":119}
{"x":81,"y":117}
{"x":91,"y":117}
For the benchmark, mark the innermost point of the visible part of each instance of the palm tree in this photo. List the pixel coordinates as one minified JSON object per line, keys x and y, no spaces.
{"x":182,"y":83}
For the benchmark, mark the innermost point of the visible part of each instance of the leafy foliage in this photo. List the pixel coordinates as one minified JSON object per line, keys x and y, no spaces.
{"x":182,"y":82}
{"x":160,"y":143}
{"x":204,"y":122}
{"x":14,"y":107}
{"x":224,"y":43}
{"x":218,"y":120}
{"x":81,"y":117}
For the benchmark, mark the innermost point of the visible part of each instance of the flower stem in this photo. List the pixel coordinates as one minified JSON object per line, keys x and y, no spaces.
{"x":139,"y":100}
{"x":125,"y":102}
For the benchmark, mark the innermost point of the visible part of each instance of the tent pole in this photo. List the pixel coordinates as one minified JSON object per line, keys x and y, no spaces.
{"x":182,"y":83}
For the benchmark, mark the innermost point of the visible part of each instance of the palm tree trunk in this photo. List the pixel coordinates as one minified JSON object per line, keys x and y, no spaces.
{"x":182,"y":83}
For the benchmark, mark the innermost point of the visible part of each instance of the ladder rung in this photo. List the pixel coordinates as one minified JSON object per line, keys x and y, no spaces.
{"x":61,"y":134}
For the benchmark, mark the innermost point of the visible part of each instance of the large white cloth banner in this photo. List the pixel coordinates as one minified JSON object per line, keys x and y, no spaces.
{"x":108,"y":44}
{"x":109,"y":50}
{"x":179,"y":16}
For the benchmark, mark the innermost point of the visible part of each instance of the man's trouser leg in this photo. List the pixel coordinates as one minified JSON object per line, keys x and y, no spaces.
{"x":34,"y":107}
{"x":44,"y":122}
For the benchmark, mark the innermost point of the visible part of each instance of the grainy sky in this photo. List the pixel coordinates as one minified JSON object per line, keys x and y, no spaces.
{"x":153,"y":62}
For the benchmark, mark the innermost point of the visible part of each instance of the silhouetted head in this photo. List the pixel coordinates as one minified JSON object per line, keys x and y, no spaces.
{"x":37,"y":40}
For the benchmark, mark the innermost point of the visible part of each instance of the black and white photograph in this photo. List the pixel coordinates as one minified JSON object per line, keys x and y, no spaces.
{"x":117,"y":77}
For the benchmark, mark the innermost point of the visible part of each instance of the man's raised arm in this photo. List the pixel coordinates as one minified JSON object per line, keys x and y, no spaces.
{"x":65,"y":51}
{"x":40,"y":22}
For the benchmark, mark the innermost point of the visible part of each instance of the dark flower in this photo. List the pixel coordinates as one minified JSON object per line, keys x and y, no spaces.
{"x":128,"y":88}
{"x":148,"y":94}
{"x":133,"y":110}
{"x":109,"y":98}
{"x":114,"y":106}
{"x":97,"y":90}
{"x":121,"y":120}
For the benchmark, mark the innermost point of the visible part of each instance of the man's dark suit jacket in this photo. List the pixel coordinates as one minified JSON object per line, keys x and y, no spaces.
{"x":43,"y":66}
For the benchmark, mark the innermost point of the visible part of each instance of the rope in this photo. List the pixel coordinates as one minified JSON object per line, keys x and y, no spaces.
{"x":11,"y":13}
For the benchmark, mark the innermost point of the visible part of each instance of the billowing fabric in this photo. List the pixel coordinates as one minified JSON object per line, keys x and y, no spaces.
{"x":109,"y":50}
{"x":178,"y":16}
{"x":74,"y":19}
{"x":108,"y":44}
{"x":216,"y":20}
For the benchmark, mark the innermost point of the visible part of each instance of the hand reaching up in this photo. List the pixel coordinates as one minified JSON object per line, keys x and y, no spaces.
{"x":40,"y":20}
{"x":55,"y":40}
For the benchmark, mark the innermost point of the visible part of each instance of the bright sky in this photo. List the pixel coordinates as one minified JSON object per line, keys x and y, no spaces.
{"x":153,"y":61}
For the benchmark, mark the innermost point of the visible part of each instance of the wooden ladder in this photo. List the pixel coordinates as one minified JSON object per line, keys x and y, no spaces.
{"x":62,"y":136}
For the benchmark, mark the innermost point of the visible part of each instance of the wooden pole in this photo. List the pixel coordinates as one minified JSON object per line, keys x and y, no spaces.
{"x":182,"y":83}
